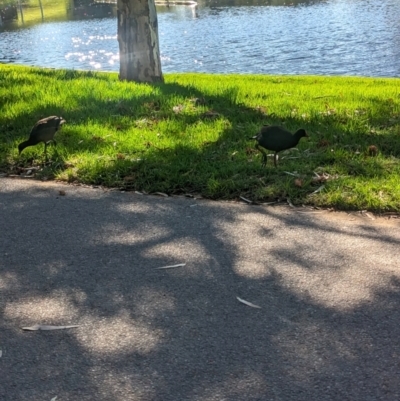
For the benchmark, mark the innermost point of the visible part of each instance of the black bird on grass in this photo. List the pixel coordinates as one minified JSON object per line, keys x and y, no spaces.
{"x":276,"y":138}
{"x":43,"y":131}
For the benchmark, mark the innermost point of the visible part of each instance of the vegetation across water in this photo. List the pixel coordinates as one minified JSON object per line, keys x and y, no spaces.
{"x":190,"y":134}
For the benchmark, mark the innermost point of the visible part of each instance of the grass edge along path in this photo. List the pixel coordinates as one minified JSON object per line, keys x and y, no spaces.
{"x":190,"y":134}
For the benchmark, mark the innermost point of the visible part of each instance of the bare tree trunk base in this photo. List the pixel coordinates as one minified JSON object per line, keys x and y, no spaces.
{"x":139,"y":51}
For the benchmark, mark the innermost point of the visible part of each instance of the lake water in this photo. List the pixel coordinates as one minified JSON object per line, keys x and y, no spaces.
{"x":325,"y":37}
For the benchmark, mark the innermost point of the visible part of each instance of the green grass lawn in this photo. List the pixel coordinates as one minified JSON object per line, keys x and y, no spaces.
{"x":190,"y":134}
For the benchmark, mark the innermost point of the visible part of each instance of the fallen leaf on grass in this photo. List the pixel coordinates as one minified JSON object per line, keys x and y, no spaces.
{"x":318,"y":189}
{"x":287,"y":158}
{"x":293,"y":174}
{"x":38,"y":327}
{"x":248,"y":303}
{"x":171,"y":266}
{"x":298,"y":182}
{"x":178,"y":109}
{"x":322,"y":177}
{"x":246,"y":200}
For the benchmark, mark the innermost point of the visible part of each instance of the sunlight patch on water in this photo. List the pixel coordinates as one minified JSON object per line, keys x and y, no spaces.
{"x":95,"y":59}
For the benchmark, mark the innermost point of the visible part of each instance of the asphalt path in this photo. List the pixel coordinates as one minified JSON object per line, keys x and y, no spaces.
{"x":327,"y":286}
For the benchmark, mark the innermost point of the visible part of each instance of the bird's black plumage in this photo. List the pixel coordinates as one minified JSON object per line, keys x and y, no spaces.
{"x":43,"y":131}
{"x":276,"y":138}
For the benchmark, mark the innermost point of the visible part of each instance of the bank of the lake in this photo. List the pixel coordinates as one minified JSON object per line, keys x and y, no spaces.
{"x":190,"y":135}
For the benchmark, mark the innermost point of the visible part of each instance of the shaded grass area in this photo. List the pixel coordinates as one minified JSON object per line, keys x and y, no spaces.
{"x":190,"y":134}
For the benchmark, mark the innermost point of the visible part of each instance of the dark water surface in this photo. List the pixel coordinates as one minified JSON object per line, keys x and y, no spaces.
{"x":331,"y":37}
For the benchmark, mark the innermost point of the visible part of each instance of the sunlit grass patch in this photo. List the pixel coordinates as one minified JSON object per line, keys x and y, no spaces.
{"x":190,"y":134}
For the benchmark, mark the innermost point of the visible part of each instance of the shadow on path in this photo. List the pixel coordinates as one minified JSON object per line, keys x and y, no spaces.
{"x":328,"y":290}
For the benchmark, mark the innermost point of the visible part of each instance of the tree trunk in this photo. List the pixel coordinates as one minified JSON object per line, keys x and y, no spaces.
{"x":139,"y":52}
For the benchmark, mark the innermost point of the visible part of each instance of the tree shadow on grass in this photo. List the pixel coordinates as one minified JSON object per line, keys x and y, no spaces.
{"x":225,"y":162}
{"x":327,"y":326}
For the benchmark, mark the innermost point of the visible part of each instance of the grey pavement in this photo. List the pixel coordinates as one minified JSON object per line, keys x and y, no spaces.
{"x":328,"y":287}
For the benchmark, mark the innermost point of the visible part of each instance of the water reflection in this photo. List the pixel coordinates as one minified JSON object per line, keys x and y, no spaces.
{"x":260,"y":3}
{"x":357,"y":37}
{"x":96,"y":59}
{"x":84,"y":9}
{"x":55,"y":10}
